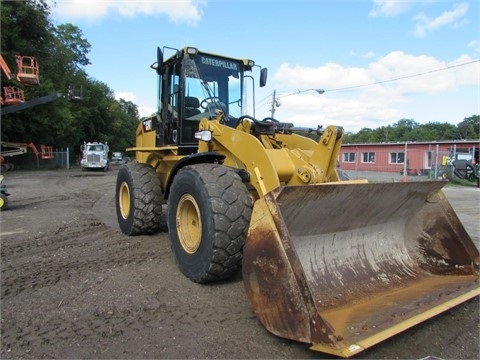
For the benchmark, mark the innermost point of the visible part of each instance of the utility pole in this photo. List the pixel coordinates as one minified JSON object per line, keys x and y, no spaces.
{"x":272,"y":110}
{"x":276,"y":102}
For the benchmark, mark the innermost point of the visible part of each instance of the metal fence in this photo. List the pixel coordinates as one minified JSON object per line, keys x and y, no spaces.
{"x":380,"y":176}
{"x":405,"y":162}
{"x":377,"y":164}
{"x":62,"y":159}
{"x":402,"y":162}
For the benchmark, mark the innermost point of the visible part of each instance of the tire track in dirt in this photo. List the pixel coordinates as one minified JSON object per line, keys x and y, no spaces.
{"x":115,"y":323}
{"x":35,"y":264}
{"x":73,"y":286}
{"x":45,"y":261}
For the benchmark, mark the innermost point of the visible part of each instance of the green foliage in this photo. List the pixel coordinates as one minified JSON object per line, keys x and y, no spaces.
{"x":469,"y":128}
{"x":409,"y":130}
{"x":25,"y":28}
{"x":62,"y":54}
{"x":72,"y":45}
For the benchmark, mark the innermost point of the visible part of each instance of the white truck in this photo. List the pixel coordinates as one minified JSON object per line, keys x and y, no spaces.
{"x":94,"y":156}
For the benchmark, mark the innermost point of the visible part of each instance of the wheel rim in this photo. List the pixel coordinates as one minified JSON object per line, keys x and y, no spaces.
{"x":124,"y":200}
{"x":189,"y":224}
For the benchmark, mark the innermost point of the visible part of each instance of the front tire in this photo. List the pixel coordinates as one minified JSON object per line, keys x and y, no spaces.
{"x":3,"y":201}
{"x":138,"y":199}
{"x":209,"y":210}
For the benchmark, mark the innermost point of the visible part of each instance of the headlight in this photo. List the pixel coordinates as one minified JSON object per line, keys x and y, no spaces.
{"x":192,"y":51}
{"x":204,"y":135}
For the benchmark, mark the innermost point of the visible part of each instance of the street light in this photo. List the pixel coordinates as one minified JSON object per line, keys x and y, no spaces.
{"x":276,"y":103}
{"x":319,"y":91}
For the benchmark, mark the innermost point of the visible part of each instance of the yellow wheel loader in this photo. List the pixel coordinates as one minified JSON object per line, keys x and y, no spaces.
{"x":340,"y":265}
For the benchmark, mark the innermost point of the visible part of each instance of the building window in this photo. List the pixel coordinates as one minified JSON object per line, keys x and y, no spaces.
{"x":368,"y":157}
{"x":428,"y":159}
{"x":397,"y":158}
{"x":349,"y":157}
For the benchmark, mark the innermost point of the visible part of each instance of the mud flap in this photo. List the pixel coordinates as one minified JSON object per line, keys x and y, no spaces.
{"x":343,"y":267}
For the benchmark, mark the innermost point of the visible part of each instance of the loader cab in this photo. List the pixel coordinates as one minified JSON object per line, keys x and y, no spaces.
{"x":193,"y":85}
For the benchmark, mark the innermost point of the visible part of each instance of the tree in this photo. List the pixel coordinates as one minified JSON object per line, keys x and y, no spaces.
{"x":403,"y":128}
{"x":469,"y":128}
{"x":433,"y":131}
{"x":75,"y":46}
{"x":409,"y":130}
{"x":365,"y":135}
{"x":62,"y":53}
{"x":124,"y":125}
{"x":25,"y":28}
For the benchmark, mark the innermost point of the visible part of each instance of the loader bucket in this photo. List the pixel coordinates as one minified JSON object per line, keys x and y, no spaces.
{"x":345,"y":266}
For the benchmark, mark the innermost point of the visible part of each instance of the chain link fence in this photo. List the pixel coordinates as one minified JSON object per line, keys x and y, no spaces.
{"x":405,"y":161}
{"x":376,"y":162}
{"x":62,"y":159}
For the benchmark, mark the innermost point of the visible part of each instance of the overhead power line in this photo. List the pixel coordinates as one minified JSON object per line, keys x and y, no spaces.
{"x":268,"y":97}
{"x":405,"y":76}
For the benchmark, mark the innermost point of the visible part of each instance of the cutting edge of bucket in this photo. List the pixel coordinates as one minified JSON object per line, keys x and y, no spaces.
{"x":359,"y":346}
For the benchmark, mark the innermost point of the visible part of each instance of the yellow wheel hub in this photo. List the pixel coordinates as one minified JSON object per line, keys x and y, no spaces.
{"x":124,"y":200}
{"x":189,"y":224}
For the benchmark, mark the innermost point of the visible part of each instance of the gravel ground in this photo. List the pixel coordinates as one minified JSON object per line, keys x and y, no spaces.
{"x":73,"y":286}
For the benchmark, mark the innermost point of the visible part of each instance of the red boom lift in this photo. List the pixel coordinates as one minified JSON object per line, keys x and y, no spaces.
{"x":27,"y":74}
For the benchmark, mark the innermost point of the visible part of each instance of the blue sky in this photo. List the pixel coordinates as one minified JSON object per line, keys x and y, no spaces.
{"x":378,"y":61}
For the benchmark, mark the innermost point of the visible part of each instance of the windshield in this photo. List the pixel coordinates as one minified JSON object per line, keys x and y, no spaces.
{"x":95,"y":147}
{"x":214,"y":80}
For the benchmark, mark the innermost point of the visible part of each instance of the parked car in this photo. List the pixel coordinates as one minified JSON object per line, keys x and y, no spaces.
{"x":119,"y":158}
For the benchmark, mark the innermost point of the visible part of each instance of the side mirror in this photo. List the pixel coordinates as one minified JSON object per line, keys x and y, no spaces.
{"x":263,"y":77}
{"x":159,"y":68}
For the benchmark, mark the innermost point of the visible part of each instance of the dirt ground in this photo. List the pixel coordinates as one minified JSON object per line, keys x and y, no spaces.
{"x":73,"y":286}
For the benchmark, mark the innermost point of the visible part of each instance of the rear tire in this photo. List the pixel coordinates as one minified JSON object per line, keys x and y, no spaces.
{"x":209,"y":210}
{"x":138,"y":199}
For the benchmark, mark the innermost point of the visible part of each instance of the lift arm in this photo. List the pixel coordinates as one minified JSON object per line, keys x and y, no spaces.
{"x":12,"y":149}
{"x":31,"y":103}
{"x":6,"y":70}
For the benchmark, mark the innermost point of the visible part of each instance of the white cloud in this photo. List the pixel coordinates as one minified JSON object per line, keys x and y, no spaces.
{"x":125,"y":95}
{"x":454,"y":17}
{"x":389,"y":8}
{"x":408,"y":70}
{"x":468,"y":75}
{"x":143,"y":110}
{"x":187,"y":11}
{"x":302,"y":77}
{"x":392,"y":87}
